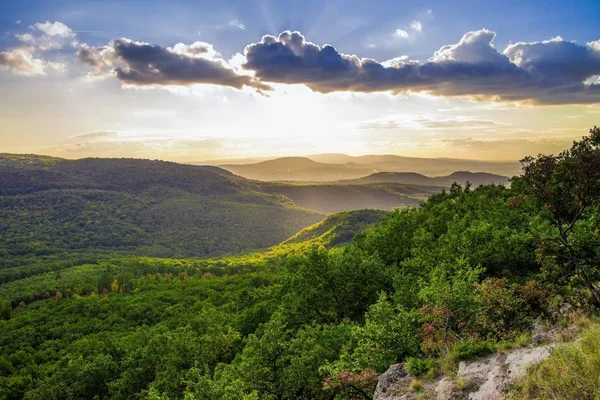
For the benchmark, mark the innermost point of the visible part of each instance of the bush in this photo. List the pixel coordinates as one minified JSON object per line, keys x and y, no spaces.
{"x":469,"y":350}
{"x":419,"y":366}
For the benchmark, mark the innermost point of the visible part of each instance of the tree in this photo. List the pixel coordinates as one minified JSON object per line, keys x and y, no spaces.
{"x":565,"y":188}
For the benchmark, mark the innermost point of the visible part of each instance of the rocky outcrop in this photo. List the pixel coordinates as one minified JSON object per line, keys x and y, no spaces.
{"x":393,"y":384}
{"x":487,"y":378}
{"x":490,"y":377}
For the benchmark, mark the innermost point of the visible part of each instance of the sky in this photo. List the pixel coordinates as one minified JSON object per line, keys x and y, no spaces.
{"x":205,"y":80}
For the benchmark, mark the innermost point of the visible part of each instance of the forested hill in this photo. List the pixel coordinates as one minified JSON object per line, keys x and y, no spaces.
{"x":50,"y":205}
{"x":338,"y":229}
{"x":164,"y":209}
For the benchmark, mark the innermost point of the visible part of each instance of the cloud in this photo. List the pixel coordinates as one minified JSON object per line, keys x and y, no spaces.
{"x":21,"y":61}
{"x":475,"y":47}
{"x":236,"y":24}
{"x":554,"y":71}
{"x":472,"y":67}
{"x":143,"y":64}
{"x":53,"y":29}
{"x":401,"y":33}
{"x":46,"y":36}
{"x":428,"y":122}
{"x":556,"y":59}
{"x":42,"y":43}
{"x":509,"y":148}
{"x":417,"y":26}
{"x":94,"y":135}
{"x":115,"y":143}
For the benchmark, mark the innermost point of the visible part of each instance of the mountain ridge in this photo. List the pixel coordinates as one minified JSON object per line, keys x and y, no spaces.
{"x":316,"y":169}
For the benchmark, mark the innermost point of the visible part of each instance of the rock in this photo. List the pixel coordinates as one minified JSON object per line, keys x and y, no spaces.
{"x":487,"y":378}
{"x":393,"y":384}
{"x":444,"y":390}
{"x":491,"y":376}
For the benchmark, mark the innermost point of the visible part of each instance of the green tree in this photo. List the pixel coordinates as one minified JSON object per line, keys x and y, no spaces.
{"x":566,"y":188}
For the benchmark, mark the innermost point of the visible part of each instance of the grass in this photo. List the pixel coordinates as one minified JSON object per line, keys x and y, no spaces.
{"x":416,"y":385}
{"x":571,"y":372}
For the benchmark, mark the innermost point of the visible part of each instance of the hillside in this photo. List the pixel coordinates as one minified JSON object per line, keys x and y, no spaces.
{"x":335,"y":197}
{"x":412,"y":178}
{"x":139,"y":206}
{"x":333,"y":167}
{"x":51,"y":205}
{"x":338,"y":229}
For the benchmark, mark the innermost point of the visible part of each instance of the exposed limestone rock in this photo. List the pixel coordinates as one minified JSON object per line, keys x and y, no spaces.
{"x":492,"y":375}
{"x":487,"y":378}
{"x":444,"y":389}
{"x":393,"y":384}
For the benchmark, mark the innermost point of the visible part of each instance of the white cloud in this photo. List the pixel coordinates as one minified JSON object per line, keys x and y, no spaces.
{"x":474,"y":47}
{"x":54,"y":29}
{"x":237,"y":24}
{"x":402,"y":33}
{"x":412,"y":121}
{"x":21,"y":61}
{"x":417,"y":26}
{"x":46,"y":36}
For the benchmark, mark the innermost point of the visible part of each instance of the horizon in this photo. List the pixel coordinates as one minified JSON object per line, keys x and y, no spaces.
{"x":203,"y":81}
{"x":252,"y":160}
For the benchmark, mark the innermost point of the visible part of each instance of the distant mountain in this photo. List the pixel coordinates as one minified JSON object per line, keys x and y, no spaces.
{"x":426,"y":166}
{"x":295,"y":169}
{"x":412,"y":178}
{"x":338,"y":229}
{"x":333,"y":167}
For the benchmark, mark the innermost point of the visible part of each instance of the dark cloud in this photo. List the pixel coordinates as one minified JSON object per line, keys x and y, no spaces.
{"x":557,"y":58}
{"x":472,"y":67}
{"x":548,"y":72}
{"x":142,"y":64}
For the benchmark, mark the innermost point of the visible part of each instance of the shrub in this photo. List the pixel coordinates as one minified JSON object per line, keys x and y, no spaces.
{"x":419,"y":366}
{"x":471,"y":349}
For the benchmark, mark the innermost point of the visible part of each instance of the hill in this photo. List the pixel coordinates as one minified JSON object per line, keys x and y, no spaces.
{"x":335,"y":197}
{"x":333,"y":167}
{"x":338,"y":229}
{"x":411,"y":178}
{"x":294,"y":169}
{"x":164,"y":209}
{"x":138,"y":206}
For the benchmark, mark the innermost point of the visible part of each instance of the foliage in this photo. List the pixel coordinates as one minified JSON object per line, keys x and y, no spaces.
{"x":84,"y":314}
{"x":566,"y":188}
{"x":338,"y":229}
{"x":421,"y":366}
